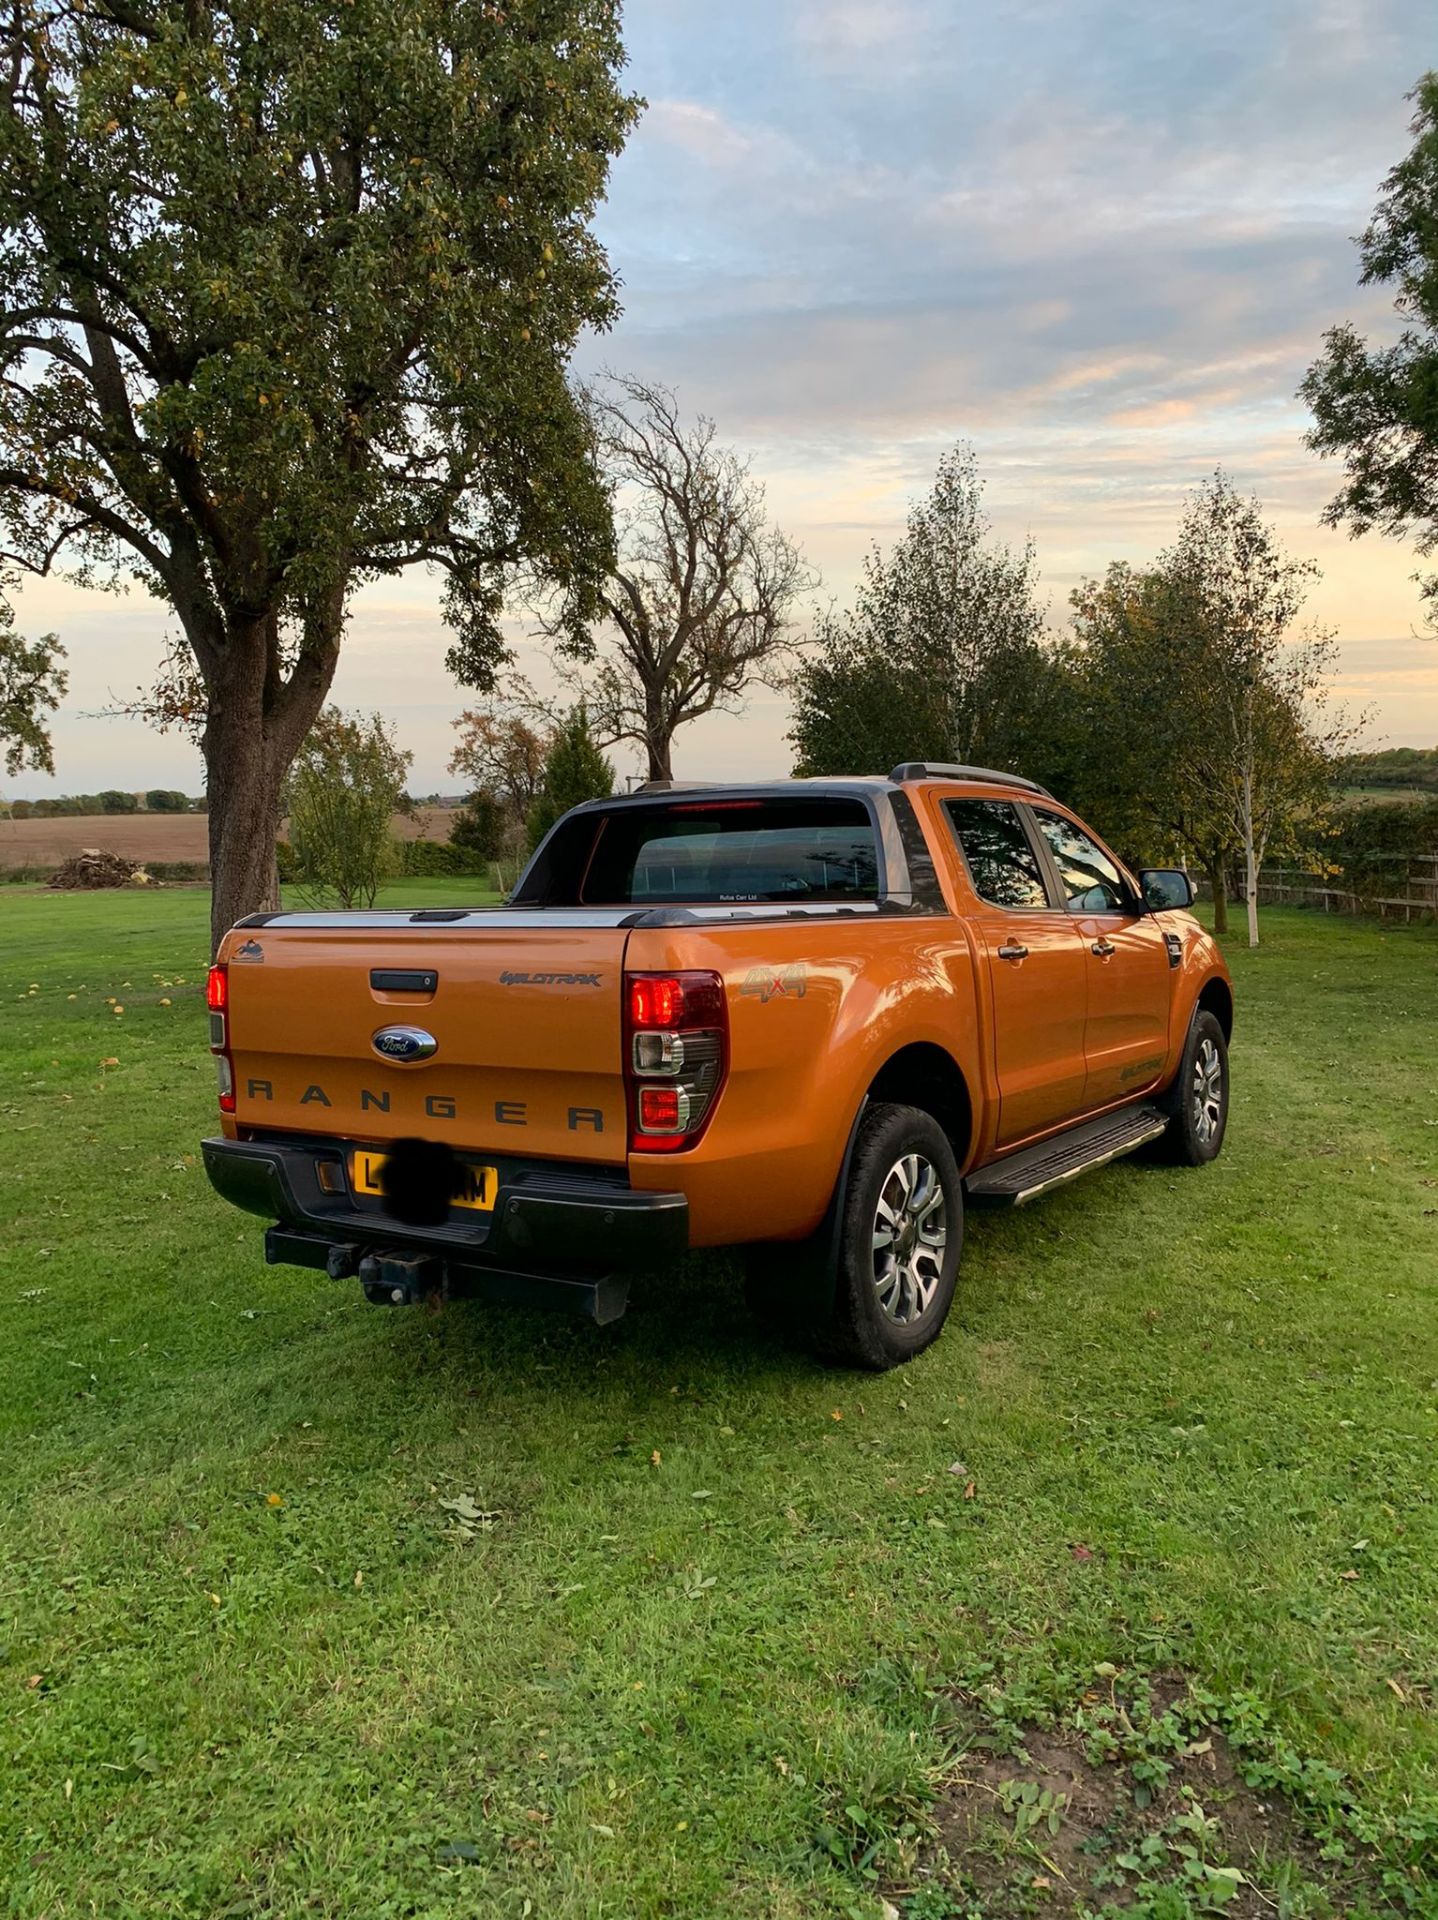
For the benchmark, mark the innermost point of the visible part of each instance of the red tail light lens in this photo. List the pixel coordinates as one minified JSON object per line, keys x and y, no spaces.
{"x":675,"y":1002}
{"x":663,"y":1109}
{"x":217,"y":999}
{"x":675,"y":1056}
{"x":655,"y":1001}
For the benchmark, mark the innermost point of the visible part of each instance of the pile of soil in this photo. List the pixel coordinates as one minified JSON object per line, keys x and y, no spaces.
{"x":92,"y":868}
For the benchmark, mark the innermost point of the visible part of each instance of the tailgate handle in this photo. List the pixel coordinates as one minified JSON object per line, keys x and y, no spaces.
{"x":402,"y":980}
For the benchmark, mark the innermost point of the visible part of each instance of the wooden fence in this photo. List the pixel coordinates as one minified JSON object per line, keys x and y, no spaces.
{"x":1405,"y":884}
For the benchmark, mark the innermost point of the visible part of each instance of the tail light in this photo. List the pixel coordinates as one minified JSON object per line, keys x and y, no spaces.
{"x":217,"y":999}
{"x":676,"y":1041}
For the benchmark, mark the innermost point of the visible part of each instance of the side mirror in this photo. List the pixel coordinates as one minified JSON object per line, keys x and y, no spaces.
{"x":1164,"y":888}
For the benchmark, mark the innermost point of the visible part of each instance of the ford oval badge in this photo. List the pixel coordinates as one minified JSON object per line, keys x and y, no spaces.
{"x":405,"y":1044}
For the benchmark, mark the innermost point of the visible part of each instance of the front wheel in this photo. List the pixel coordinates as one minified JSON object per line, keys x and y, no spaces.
{"x":900,"y":1234}
{"x":1198,"y":1100}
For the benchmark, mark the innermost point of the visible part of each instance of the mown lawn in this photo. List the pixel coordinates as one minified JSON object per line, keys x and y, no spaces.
{"x":697,"y":1648}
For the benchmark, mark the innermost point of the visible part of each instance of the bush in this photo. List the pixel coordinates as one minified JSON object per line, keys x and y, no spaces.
{"x":285,"y":863}
{"x":112,"y":801}
{"x":432,"y":859}
{"x":166,"y":800}
{"x":347,"y":782}
{"x":1375,"y":842}
{"x":478,"y":831}
{"x":575,"y":771}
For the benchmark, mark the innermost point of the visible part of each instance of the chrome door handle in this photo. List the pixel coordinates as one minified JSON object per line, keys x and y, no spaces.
{"x":1103,"y":948}
{"x":1013,"y":953}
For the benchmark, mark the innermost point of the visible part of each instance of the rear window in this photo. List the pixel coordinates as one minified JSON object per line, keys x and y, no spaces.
{"x":733,"y":851}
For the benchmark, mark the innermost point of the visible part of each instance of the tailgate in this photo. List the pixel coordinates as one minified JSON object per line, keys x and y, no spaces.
{"x":524,"y":1018}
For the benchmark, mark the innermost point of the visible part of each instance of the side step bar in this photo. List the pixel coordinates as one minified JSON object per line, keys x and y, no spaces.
{"x":1023,"y":1176}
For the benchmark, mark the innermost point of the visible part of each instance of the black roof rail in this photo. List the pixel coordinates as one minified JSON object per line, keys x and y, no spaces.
{"x":941,"y":770}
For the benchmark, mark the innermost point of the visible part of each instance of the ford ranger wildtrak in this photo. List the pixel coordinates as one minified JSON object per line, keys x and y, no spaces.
{"x":818,"y":1018}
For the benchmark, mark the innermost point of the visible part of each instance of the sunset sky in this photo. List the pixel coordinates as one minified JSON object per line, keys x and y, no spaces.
{"x":1101,"y":241}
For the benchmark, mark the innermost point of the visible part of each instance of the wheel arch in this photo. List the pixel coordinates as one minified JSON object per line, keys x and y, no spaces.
{"x":1216,"y":998}
{"x":927,"y":1076}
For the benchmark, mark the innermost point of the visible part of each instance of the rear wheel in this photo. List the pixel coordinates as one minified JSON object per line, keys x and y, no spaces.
{"x":900,"y":1233}
{"x":1198,"y":1099}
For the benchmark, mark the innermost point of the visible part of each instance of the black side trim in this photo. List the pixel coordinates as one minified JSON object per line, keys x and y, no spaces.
{"x":436,"y":916}
{"x":661,"y":917}
{"x":257,"y":920}
{"x":923,"y":875}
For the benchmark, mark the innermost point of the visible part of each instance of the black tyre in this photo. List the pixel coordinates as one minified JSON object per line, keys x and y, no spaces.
{"x":1198,"y":1099}
{"x":901,"y":1229}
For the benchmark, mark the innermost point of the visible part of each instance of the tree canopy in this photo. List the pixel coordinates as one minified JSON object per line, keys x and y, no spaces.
{"x":939,"y":657}
{"x":698,"y":604}
{"x":289,"y":288}
{"x":32,"y":684}
{"x":1377,"y":407}
{"x":574,"y":772}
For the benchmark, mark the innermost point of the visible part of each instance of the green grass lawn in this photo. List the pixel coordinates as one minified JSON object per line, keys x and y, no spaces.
{"x":708,"y":1639}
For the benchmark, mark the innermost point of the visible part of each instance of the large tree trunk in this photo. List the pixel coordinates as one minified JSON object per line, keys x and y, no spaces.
{"x":256,"y":725}
{"x":243,"y":784}
{"x":1218,"y":883}
{"x":660,"y":748}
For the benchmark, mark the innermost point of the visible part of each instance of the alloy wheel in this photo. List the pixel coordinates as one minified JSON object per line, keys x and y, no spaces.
{"x":909,"y":1238}
{"x":1207,"y":1092}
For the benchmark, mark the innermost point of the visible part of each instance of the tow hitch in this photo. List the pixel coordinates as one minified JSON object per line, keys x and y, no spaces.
{"x":396,"y":1279}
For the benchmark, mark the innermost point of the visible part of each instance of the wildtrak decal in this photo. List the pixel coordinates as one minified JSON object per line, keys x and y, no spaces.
{"x":1143,"y":1069}
{"x":508,"y":979}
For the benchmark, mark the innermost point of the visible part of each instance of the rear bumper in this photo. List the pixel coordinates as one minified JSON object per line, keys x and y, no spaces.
{"x":550,"y":1233}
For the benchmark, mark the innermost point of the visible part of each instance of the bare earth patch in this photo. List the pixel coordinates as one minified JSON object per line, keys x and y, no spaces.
{"x":1065,"y":1828}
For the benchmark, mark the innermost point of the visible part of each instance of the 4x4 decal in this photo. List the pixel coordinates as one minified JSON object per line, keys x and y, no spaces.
{"x":787,"y":983}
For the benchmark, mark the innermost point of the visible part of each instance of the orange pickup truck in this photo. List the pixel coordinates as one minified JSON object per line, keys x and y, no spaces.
{"x":817,"y":1018}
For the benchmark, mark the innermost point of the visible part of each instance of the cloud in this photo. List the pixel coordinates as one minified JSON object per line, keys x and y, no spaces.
{"x":1100,"y":238}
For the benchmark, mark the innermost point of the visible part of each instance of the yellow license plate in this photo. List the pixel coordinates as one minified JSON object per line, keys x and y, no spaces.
{"x":475,"y":1187}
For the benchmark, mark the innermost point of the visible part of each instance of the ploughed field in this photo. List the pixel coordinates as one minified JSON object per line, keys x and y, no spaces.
{"x":155,"y":836}
{"x":1125,"y":1592}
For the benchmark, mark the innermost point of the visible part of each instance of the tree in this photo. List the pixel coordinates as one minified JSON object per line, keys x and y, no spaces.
{"x":112,"y":800}
{"x":288,"y":295}
{"x":1377,"y":408}
{"x":1136,"y":726}
{"x":697,"y":607}
{"x":32,"y":684}
{"x":479,"y":828}
{"x":503,"y":747}
{"x":1265,"y":751}
{"x":166,"y":800}
{"x":343,"y":793}
{"x":940,"y":656}
{"x":575,"y":771}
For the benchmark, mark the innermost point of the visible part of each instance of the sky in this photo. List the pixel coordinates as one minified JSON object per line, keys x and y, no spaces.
{"x":1098,"y":239}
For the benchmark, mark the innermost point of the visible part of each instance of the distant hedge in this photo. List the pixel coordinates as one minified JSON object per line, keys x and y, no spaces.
{"x":434,"y":859}
{"x":1375,"y":843}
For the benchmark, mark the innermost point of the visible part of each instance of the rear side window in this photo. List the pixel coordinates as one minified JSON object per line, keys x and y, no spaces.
{"x":1001,"y":863}
{"x":733,"y":851}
